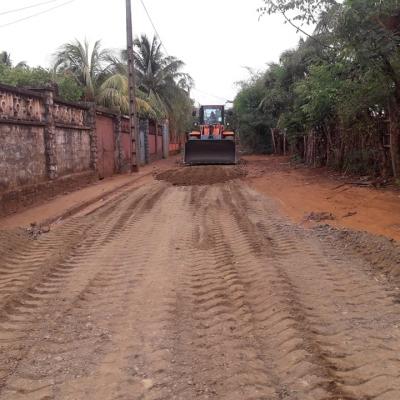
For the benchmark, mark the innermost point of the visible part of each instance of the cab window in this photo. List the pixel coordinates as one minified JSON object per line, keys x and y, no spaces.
{"x":212,"y":116}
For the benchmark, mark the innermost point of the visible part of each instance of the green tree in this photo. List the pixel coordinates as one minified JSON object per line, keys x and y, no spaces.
{"x":364,"y":35}
{"x":87,"y":65}
{"x":160,"y":83}
{"x":252,"y":122}
{"x":159,"y":75}
{"x":39,"y":77}
{"x":113,"y":93}
{"x":368,"y":31}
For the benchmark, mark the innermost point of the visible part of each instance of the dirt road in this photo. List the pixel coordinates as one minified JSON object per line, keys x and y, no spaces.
{"x":192,"y":292}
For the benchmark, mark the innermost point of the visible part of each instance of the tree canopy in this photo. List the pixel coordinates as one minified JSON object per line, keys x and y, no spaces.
{"x":337,"y":94}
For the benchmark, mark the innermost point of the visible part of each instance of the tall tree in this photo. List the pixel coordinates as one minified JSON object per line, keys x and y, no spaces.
{"x":358,"y":66}
{"x":160,"y":80}
{"x":89,"y":66}
{"x":159,"y":75}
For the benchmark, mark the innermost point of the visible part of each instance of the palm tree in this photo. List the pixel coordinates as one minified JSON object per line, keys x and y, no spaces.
{"x":162,"y":79}
{"x":162,"y":89}
{"x":89,"y":66}
{"x":160,"y":82}
{"x":114,"y":93}
{"x":159,"y":75}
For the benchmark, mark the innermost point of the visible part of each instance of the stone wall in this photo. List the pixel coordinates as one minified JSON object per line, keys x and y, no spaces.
{"x":22,"y":130}
{"x":48,"y":145}
{"x":72,"y":151}
{"x":22,"y":156}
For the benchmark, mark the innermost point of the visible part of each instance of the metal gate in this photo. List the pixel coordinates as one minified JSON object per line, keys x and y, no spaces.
{"x":105,"y":146}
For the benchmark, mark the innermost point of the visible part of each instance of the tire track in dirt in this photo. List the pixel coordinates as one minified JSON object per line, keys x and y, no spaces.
{"x":226,"y":363}
{"x":350,"y":322}
{"x":192,"y":293}
{"x":270,"y":320}
{"x":104,"y":360}
{"x":126,"y":367}
{"x":23,"y":319}
{"x":278,"y":315}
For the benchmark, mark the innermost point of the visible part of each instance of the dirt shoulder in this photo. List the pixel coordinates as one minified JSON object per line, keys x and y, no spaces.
{"x":86,"y":199}
{"x":304,"y":193}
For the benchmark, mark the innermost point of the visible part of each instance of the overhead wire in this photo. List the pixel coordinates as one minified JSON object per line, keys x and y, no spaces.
{"x":28,"y":7}
{"x":166,"y":51}
{"x":211,"y":95}
{"x":37,"y":14}
{"x":154,"y":27}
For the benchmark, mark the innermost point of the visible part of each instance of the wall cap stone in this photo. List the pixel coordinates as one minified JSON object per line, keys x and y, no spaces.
{"x":23,"y":92}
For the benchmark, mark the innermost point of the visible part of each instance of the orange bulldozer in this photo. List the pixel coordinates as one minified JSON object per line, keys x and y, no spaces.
{"x":211,"y":141}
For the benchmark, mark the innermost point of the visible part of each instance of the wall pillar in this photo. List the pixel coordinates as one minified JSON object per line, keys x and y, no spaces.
{"x":145,"y":126}
{"x":93,"y":136}
{"x":50,"y":136}
{"x":156,"y":140}
{"x":118,"y":143}
{"x":165,"y":138}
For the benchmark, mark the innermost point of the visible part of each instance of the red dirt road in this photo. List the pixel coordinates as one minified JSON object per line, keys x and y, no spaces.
{"x":193,"y":292}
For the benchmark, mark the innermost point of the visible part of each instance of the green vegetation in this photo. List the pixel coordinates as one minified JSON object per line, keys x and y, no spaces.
{"x":24,"y":76}
{"x":162,"y":88}
{"x":337,"y":95}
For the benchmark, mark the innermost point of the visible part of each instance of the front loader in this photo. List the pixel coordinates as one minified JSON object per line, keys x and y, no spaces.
{"x":211,"y":142}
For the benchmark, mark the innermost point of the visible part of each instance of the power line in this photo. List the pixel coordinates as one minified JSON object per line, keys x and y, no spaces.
{"x":211,"y":95}
{"x":154,"y":27}
{"x":28,"y":7}
{"x":166,"y":51}
{"x":37,"y":14}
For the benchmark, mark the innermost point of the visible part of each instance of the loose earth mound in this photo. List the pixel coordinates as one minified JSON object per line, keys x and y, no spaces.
{"x":202,"y":175}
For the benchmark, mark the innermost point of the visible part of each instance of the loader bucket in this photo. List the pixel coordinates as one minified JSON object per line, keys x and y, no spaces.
{"x":210,"y":152}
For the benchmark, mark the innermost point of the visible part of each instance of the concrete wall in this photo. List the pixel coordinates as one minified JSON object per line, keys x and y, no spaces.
{"x":22,"y":156}
{"x":48,"y":145}
{"x":72,"y":151}
{"x":110,"y":125}
{"x":22,"y":138}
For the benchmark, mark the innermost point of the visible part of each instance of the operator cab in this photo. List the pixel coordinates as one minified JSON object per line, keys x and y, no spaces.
{"x":211,"y":115}
{"x":211,"y":120}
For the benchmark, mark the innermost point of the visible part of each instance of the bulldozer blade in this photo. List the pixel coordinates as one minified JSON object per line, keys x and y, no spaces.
{"x":199,"y":152}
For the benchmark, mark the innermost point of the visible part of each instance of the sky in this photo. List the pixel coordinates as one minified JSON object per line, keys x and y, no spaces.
{"x":217,"y":39}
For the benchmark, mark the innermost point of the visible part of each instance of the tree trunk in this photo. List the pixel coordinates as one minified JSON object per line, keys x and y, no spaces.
{"x":284,"y":142}
{"x":273,"y":139}
{"x":394,"y":115}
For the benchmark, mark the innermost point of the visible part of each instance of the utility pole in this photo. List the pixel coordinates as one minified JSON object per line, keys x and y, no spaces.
{"x":133,"y":121}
